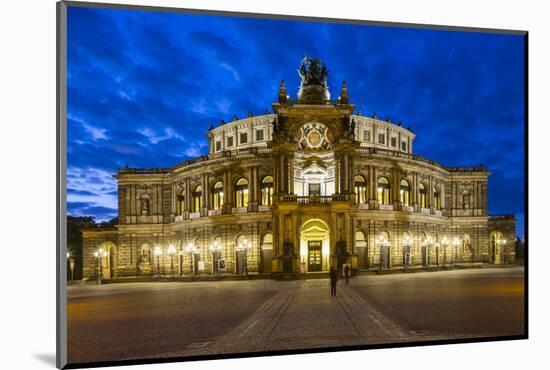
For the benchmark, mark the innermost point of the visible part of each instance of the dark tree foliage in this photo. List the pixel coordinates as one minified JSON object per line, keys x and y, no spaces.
{"x":75,"y":225}
{"x":520,"y":249}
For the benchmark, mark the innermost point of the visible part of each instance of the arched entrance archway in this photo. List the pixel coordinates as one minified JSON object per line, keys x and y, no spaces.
{"x":361,"y":249}
{"x":496,"y":248}
{"x":108,"y":260}
{"x":266,"y":255}
{"x":314,"y":246}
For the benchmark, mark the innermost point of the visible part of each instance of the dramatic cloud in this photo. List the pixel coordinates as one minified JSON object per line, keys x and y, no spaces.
{"x":144,"y":87}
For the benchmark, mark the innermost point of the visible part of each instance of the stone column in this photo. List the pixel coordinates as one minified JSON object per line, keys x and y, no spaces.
{"x":257,"y":184}
{"x":206,"y":193}
{"x":415,"y":192}
{"x":442,"y":195}
{"x":290,"y":179}
{"x":188,"y":195}
{"x":373,"y":186}
{"x":337,"y":173}
{"x":227,"y":191}
{"x":431,"y":193}
{"x":345,"y":159}
{"x":396,"y":200}
{"x":284,"y":174}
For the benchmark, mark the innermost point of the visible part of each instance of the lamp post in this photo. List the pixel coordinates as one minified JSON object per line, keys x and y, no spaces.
{"x":190,"y":248}
{"x":445,"y":243}
{"x":407,"y":244}
{"x":502,"y":243}
{"x":456,"y":243}
{"x":215,"y":248}
{"x":70,"y":261}
{"x":381,"y":241}
{"x":100,"y":253}
{"x":245,"y":245}
{"x":171,"y":252}
{"x":429,"y":244}
{"x":158,"y":253}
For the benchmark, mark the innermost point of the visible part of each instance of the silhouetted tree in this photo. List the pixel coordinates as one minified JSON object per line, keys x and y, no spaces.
{"x":75,"y":224}
{"x":520,"y":249}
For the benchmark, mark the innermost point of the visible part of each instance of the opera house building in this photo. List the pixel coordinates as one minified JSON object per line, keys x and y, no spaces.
{"x":310,"y":185}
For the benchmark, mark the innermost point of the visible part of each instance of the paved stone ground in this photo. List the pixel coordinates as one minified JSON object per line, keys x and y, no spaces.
{"x":184,"y":319}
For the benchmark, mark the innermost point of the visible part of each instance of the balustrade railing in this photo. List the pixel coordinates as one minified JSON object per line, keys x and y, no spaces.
{"x":142,"y":171}
{"x":314,"y":199}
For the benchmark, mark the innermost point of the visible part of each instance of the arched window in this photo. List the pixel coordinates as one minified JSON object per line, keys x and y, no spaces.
{"x":240,"y":242}
{"x":360,"y":190}
{"x":197,"y":199}
{"x":423,"y":196}
{"x":267,"y":241}
{"x":241,"y":193}
{"x":267,"y":191}
{"x":437,"y":198}
{"x":466,"y":199}
{"x":383,"y":191}
{"x":181,"y":202}
{"x":407,"y":239}
{"x":360,"y":239}
{"x":383,"y":238}
{"x":217,"y":195}
{"x":405,"y":193}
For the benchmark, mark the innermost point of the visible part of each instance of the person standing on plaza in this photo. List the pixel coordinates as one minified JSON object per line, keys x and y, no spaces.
{"x":333,"y":280}
{"x":346,"y":273}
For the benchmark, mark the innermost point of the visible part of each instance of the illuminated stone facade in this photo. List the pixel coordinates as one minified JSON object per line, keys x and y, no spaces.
{"x":310,"y":186}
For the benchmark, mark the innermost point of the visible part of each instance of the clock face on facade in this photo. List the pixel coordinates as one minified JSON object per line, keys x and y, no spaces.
{"x":313,"y":137}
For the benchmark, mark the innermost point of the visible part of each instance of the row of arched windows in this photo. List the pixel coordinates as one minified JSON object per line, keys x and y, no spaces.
{"x":384,"y":193}
{"x":241,"y":195}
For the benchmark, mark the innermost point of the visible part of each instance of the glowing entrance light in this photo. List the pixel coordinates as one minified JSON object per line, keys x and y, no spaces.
{"x":325,"y":248}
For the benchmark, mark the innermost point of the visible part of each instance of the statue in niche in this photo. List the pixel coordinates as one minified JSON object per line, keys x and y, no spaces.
{"x":144,"y":206}
{"x":288,"y":248}
{"x":341,"y":248}
{"x":145,"y":255}
{"x":352,"y":128}
{"x":145,"y":261}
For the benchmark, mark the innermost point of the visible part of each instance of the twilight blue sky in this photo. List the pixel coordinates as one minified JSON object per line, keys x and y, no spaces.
{"x":143,"y":88}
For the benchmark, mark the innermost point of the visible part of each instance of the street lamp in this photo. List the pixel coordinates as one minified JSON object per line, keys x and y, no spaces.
{"x":100,"y":253}
{"x":171,"y":252}
{"x":428,"y":242}
{"x":158,"y":253}
{"x":502,"y":243}
{"x":70,"y":261}
{"x":381,"y":241}
{"x":445,"y":243}
{"x":215,"y":248}
{"x":456,"y":243}
{"x":191,"y":248}
{"x":245,"y":245}
{"x":407,"y":241}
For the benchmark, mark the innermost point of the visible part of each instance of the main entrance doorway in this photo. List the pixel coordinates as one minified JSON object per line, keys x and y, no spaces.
{"x":314,"y":246}
{"x":314,"y":258}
